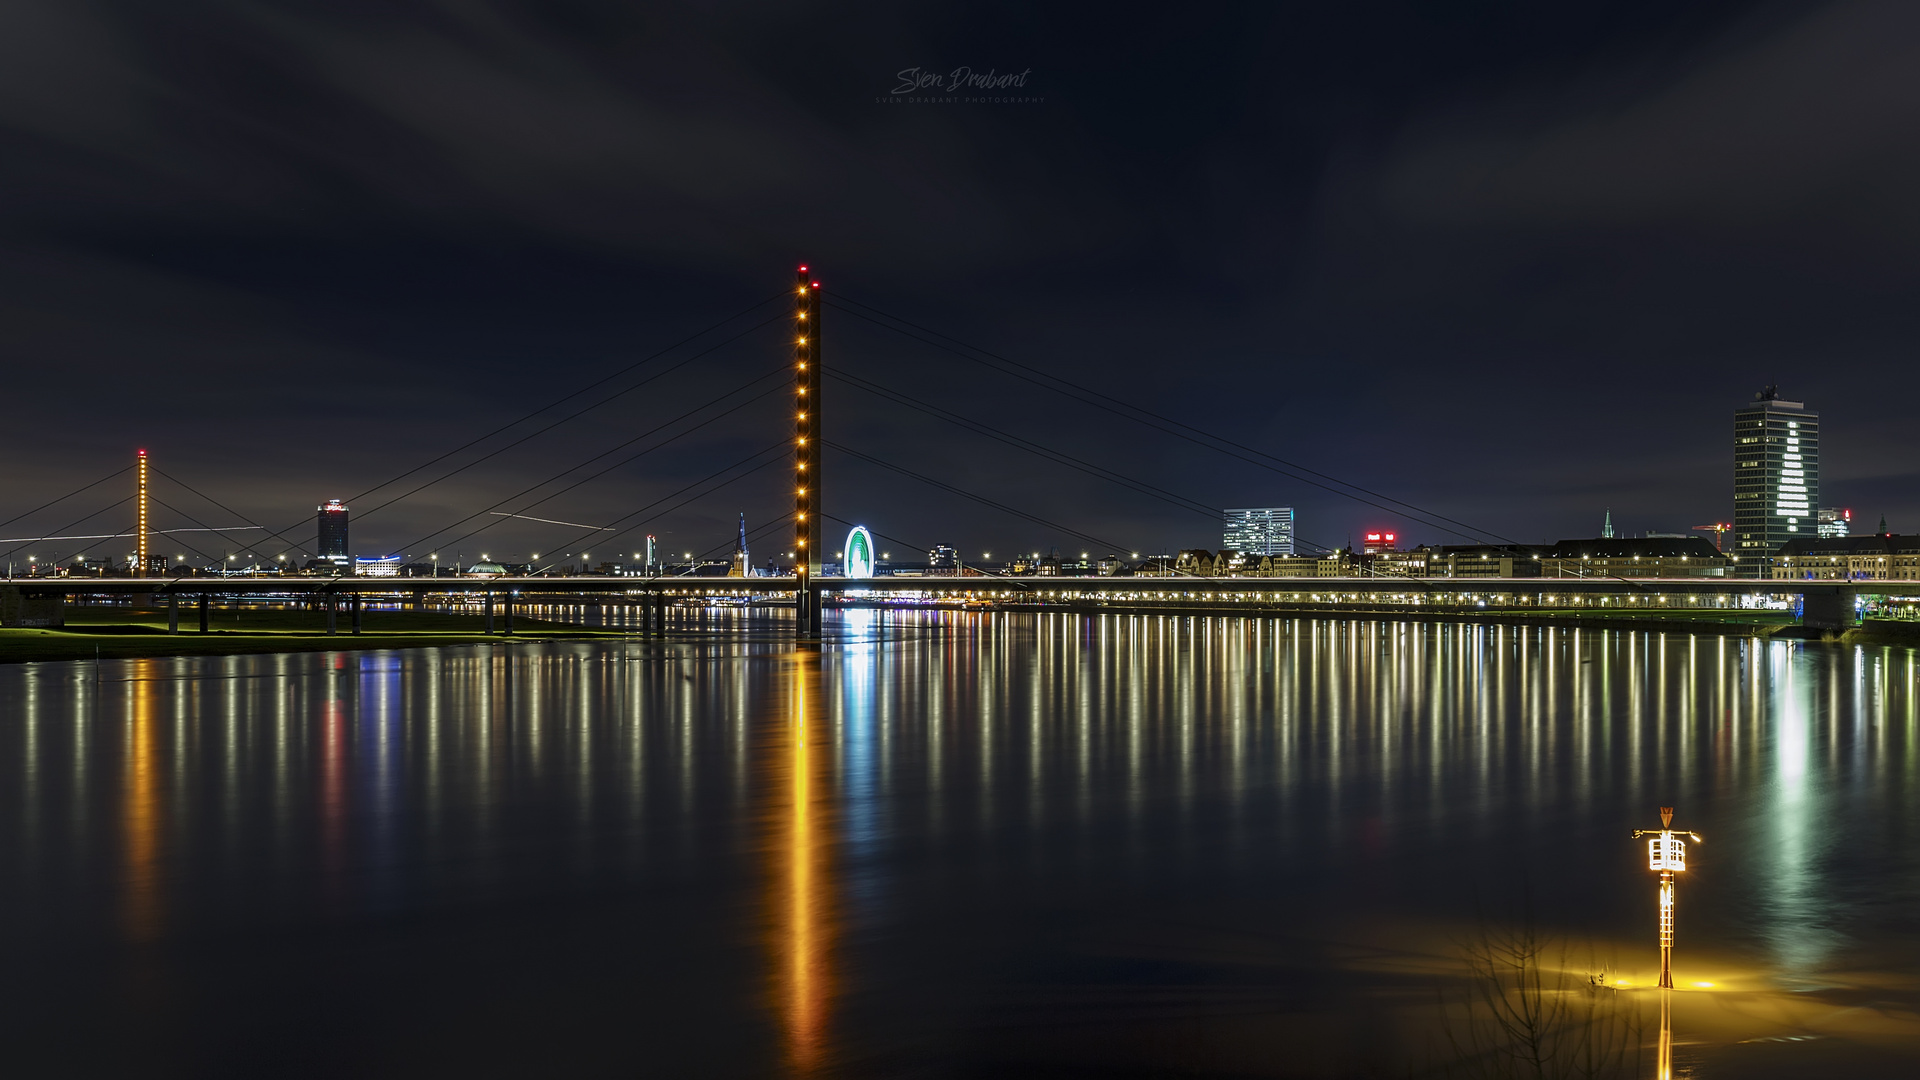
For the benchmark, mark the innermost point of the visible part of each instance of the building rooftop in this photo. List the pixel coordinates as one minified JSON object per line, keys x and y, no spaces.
{"x":1627,"y":547}
{"x":1870,"y":544}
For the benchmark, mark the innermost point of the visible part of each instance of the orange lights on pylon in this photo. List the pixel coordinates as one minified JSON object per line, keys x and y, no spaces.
{"x":140,"y":523}
{"x":806,"y":469}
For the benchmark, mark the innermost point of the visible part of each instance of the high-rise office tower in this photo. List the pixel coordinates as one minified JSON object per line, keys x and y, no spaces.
{"x":1776,"y":476}
{"x":1266,"y":530}
{"x":1835,"y":521}
{"x":333,"y":530}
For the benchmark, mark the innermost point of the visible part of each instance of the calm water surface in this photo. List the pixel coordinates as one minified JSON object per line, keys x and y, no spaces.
{"x":941,"y":845}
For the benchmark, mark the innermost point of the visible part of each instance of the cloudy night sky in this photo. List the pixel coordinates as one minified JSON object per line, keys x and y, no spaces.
{"x":1513,"y":263}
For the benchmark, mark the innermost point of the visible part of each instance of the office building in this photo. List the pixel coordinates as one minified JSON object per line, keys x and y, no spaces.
{"x":1379,"y":543}
{"x":1875,"y":557}
{"x":1834,"y":522}
{"x":943,"y":560}
{"x":1776,"y":477}
{"x":333,"y":530}
{"x":1673,"y":556}
{"x":376,"y":566}
{"x":1266,"y":530}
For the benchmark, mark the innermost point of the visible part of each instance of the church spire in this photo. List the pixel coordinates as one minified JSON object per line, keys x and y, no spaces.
{"x":1606,"y":529}
{"x":740,"y":566}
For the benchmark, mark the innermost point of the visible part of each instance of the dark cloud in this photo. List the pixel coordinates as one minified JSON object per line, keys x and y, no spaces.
{"x":1511,"y":263}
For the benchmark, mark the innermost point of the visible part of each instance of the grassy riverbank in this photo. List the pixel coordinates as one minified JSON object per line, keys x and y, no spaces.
{"x":118,"y":633}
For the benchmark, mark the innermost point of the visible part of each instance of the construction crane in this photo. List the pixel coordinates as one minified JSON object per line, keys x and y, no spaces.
{"x":1718,"y":530}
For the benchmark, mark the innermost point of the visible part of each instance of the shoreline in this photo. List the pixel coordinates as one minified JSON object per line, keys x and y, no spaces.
{"x":122,"y":633}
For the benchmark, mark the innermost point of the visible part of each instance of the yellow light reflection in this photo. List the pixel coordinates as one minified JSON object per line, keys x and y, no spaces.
{"x":141,"y":815}
{"x":1663,"y":1064}
{"x":803,"y":907}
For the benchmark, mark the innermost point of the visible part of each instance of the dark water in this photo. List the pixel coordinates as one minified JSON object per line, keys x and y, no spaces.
{"x":942,"y":845}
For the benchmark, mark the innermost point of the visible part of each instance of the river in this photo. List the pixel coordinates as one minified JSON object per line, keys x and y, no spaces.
{"x":947,"y":844}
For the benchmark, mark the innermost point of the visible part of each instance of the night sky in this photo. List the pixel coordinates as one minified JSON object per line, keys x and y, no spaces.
{"x":1515,"y":263}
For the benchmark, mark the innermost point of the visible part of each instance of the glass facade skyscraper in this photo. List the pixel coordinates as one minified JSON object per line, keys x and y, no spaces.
{"x":333,"y":530}
{"x":1266,"y":530}
{"x":1776,"y":476}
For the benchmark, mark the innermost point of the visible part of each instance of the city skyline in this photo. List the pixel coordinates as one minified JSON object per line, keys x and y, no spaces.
{"x":573,"y":537}
{"x":412,"y":330}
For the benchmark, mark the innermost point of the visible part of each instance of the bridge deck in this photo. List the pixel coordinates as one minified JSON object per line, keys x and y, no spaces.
{"x":1036,"y":588}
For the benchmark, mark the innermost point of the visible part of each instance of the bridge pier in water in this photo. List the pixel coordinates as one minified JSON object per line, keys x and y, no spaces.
{"x":1828,"y":608}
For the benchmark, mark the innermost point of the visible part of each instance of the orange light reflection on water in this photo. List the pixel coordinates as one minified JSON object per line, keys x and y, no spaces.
{"x":141,"y":811}
{"x":803,"y":923}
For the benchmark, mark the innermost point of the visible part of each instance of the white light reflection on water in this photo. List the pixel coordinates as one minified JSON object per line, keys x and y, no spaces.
{"x":1797,"y":904}
{"x":935,"y":829}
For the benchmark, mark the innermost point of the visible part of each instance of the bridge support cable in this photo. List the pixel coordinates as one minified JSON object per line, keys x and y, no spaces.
{"x":754,"y":534}
{"x":590,"y":531}
{"x":1059,"y":457}
{"x":115,"y":505}
{"x":415,"y":545}
{"x":222,"y":533}
{"x":596,"y":384}
{"x":523,"y":418}
{"x":361,"y":515}
{"x":981,"y":499}
{"x":1015,"y":441}
{"x":1148,"y":418}
{"x":101,"y":539}
{"x":764,"y":452}
{"x":68,"y":495}
{"x":292,"y":544}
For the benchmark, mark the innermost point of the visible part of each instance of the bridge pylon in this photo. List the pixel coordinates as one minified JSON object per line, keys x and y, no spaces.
{"x":809,"y":532}
{"x":140,"y":547}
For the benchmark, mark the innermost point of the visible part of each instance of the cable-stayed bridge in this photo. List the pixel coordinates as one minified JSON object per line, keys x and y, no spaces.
{"x":279,"y":558}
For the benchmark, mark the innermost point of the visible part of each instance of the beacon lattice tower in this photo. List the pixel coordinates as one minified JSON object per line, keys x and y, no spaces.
{"x":1667,"y":855}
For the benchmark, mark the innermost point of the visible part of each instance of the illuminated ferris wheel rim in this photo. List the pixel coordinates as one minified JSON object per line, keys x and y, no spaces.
{"x":859,"y":553}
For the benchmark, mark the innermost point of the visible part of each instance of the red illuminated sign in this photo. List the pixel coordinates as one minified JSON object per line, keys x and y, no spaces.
{"x":1378,"y":542}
